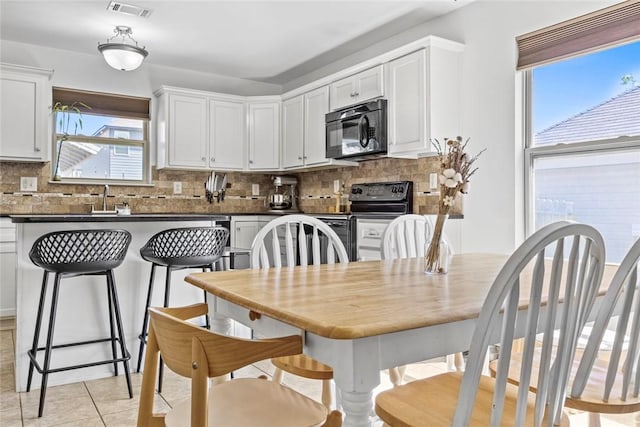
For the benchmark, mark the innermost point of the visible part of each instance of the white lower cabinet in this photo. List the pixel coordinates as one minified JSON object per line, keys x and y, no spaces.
{"x":369,"y":236}
{"x":244,"y":229}
{"x":7,"y":268}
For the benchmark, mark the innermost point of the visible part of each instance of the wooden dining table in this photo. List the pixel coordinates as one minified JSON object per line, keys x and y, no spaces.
{"x":361,"y":317}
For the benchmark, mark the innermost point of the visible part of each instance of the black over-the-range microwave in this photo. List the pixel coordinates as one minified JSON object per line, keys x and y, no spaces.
{"x":358,"y":132}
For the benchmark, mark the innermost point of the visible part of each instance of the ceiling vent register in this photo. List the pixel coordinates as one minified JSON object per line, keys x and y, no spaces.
{"x":128,"y":9}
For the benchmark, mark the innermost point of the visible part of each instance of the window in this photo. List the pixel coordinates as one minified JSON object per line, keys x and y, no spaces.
{"x":111,"y":145}
{"x":582,"y":155}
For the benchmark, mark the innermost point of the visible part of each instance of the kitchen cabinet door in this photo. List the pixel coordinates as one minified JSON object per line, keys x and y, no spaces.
{"x":407,"y":101}
{"x":358,"y":88}
{"x":293,"y":132}
{"x":24,"y":113}
{"x":316,"y":105}
{"x":423,"y":99}
{"x":188,"y":140}
{"x":227,"y":135}
{"x":7,"y":268}
{"x":245,"y":228}
{"x":264,"y":135}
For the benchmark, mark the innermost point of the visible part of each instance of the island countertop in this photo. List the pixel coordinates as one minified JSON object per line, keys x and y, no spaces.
{"x":141,"y":217}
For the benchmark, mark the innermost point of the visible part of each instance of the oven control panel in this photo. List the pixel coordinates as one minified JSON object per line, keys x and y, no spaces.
{"x":381,"y":191}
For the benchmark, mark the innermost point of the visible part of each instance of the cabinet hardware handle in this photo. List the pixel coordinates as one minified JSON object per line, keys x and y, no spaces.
{"x":254,"y":315}
{"x":37,"y":149}
{"x":299,"y":158}
{"x":213,"y":159}
{"x":204,"y":159}
{"x":250,"y":162}
{"x":356,"y":94}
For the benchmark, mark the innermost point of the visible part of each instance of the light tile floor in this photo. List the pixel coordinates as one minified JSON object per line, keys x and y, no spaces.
{"x":105,"y":402}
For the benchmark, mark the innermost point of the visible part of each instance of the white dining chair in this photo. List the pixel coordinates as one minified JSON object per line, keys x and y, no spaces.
{"x":299,"y":240}
{"x":601,"y":382}
{"x":611,"y":384}
{"x":561,"y":291}
{"x":406,"y":237}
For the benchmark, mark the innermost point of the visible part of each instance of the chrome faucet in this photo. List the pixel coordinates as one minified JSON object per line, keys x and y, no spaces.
{"x":104,"y":197}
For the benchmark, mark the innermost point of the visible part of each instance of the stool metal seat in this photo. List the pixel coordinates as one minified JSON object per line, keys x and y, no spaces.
{"x":177,"y":249}
{"x":70,"y":254}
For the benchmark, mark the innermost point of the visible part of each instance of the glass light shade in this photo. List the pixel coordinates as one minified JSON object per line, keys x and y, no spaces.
{"x":122,"y":56}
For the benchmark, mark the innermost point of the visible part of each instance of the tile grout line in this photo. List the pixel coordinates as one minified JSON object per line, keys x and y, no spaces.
{"x":84,"y":383}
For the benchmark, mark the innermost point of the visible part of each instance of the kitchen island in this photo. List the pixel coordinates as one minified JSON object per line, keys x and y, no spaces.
{"x":80,"y":309}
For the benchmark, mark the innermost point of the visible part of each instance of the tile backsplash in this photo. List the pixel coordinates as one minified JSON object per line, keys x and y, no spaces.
{"x":315,"y":189}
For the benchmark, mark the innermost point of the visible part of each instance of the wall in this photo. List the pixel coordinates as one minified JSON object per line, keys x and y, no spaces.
{"x":58,"y":198}
{"x":494,"y":219}
{"x":492,"y":99}
{"x":316,"y":190}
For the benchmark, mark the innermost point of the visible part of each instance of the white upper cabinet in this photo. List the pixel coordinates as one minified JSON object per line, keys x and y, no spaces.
{"x":423,"y":92}
{"x":188,"y":132}
{"x":25,"y":119}
{"x":303,"y":129}
{"x":358,"y":88}
{"x":199,"y":130}
{"x":264,"y":134}
{"x":227,"y":134}
{"x":316,"y":105}
{"x":293,"y":132}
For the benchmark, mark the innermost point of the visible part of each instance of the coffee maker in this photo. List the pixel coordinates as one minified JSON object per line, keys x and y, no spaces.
{"x":285,"y":197}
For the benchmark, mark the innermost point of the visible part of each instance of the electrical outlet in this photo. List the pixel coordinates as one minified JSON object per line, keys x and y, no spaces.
{"x":177,"y":187}
{"x":255,"y":189}
{"x":336,"y":185}
{"x":28,"y":183}
{"x":433,"y":181}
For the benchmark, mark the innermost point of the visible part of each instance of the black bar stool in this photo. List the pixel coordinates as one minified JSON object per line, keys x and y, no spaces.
{"x":70,"y":254}
{"x":177,"y":249}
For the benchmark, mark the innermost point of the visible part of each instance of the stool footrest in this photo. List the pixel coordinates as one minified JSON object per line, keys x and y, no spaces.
{"x":33,"y":358}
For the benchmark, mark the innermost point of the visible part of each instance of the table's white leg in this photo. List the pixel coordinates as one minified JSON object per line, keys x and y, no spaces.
{"x":219,"y":323}
{"x":357,"y":408}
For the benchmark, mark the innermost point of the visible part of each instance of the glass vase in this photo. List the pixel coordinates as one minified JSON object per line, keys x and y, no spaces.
{"x":437,"y":253}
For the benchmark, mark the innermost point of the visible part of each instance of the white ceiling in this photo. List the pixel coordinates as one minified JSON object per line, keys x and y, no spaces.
{"x":270,"y":41}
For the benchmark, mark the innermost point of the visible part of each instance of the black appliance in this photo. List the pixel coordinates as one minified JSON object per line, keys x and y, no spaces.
{"x":358,"y":132}
{"x":382,"y":199}
{"x":375,"y":205}
{"x":345,"y":228}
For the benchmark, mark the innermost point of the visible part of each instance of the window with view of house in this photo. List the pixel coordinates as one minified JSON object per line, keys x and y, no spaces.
{"x":582,"y":153}
{"x":113,"y":142}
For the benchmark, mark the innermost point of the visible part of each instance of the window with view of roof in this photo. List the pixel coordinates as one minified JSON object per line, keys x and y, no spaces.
{"x":582,"y":157}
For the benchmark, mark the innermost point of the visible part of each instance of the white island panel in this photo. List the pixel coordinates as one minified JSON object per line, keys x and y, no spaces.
{"x":82,"y":306}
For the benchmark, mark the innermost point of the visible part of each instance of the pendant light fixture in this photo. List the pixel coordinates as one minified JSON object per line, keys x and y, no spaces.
{"x":122,"y":55}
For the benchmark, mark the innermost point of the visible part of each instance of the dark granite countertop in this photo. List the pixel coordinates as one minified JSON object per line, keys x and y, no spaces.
{"x":118,"y":218}
{"x":219,"y":216}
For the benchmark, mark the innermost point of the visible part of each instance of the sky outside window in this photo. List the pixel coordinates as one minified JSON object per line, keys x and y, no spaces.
{"x":569,"y":87}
